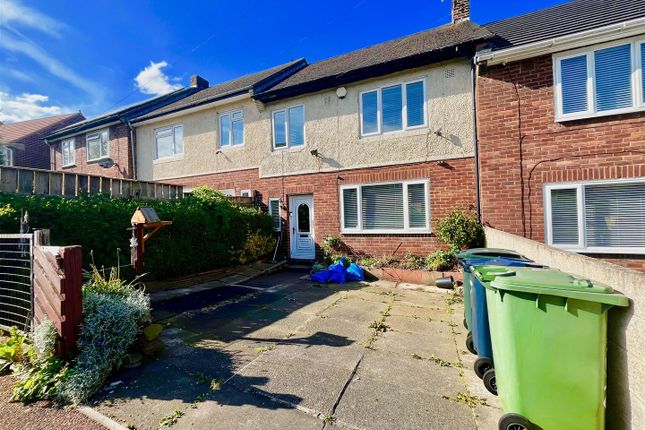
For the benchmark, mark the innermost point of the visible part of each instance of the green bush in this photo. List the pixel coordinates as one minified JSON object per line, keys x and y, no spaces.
{"x":113,"y":316}
{"x":460,"y":230}
{"x":207,"y":231}
{"x":441,"y":260}
{"x":412,"y":262}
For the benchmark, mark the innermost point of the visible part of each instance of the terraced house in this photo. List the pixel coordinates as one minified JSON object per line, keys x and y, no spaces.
{"x":560,"y":115}
{"x":373,"y":145}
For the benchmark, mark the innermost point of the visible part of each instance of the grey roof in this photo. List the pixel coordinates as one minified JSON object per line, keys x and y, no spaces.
{"x":421,"y":48}
{"x":564,"y":19}
{"x":256,"y":82}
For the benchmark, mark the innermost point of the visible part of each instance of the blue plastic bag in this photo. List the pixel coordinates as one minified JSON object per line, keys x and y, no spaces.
{"x":355,"y":273}
{"x":322,"y":276}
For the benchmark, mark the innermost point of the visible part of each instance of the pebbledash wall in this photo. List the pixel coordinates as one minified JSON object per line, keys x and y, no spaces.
{"x":522,"y":147}
{"x":118,"y":150}
{"x":332,"y":126}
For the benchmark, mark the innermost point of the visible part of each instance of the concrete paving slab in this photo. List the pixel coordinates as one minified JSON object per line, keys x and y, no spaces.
{"x":441,"y":345}
{"x":424,"y":325}
{"x":317,"y":350}
{"x":349,"y":330}
{"x":230,"y":408}
{"x":295,"y":380}
{"x":356,"y":311}
{"x":372,"y":404}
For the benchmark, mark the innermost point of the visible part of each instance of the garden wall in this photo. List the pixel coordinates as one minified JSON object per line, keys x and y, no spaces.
{"x":625,"y":362}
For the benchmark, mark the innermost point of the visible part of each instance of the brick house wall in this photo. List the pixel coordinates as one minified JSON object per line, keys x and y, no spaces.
{"x":119,"y":151}
{"x":450,"y":186}
{"x":521,"y":148}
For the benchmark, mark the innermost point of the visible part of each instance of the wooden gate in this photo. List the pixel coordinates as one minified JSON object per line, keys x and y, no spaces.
{"x":16,"y":281}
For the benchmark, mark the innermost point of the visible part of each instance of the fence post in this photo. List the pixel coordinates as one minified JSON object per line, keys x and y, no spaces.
{"x":73,"y":304}
{"x":42,"y":237}
{"x":136,"y":248}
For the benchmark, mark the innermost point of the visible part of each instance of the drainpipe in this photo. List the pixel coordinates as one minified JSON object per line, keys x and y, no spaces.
{"x":133,"y":138}
{"x":474,"y":71}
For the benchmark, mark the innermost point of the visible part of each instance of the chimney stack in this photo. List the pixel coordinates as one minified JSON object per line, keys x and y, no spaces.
{"x":198,"y":82}
{"x":460,"y":10}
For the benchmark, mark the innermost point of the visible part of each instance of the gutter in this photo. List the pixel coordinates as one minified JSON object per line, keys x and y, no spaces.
{"x":71,"y":133}
{"x":594,"y":36}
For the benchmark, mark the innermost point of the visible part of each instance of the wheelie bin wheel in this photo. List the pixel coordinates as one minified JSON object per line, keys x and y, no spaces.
{"x":490,"y":382}
{"x":482,"y":364}
{"x":465,"y":324}
{"x":514,"y":422}
{"x":470,"y":344}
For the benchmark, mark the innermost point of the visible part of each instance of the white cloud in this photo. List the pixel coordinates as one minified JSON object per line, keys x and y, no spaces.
{"x":152,"y":80}
{"x":25,"y":106}
{"x":15,"y":13}
{"x":14,"y":41}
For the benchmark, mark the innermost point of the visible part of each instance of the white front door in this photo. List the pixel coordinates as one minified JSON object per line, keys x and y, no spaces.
{"x":303,"y":245}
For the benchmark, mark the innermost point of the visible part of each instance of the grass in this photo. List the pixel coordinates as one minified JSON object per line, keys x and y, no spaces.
{"x":170,"y":420}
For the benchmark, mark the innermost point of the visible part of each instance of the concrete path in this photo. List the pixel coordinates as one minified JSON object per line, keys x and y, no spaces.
{"x":282,"y":353}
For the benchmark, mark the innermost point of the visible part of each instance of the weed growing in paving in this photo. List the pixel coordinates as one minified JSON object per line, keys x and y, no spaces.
{"x":379,"y":326}
{"x":328,"y":419}
{"x":454,"y":299}
{"x":216,"y":384}
{"x":417,"y":357}
{"x":467,"y":399}
{"x":443,"y":363}
{"x":261,"y":349}
{"x":170,"y":420}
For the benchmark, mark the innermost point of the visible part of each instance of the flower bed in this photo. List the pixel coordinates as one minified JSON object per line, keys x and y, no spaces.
{"x":422,"y":277}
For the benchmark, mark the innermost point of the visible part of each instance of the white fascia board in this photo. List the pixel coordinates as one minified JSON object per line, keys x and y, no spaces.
{"x":183,"y":112}
{"x":564,"y":43}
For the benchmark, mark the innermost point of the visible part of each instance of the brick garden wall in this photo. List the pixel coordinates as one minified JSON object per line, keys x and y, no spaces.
{"x":450,"y":186}
{"x":119,"y":152}
{"x":521,"y":147}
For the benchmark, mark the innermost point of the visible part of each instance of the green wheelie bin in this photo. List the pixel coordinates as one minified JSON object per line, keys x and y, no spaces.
{"x":549,"y":338}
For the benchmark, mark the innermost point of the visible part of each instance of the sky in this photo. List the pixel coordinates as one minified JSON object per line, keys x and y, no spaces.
{"x":60,"y":56}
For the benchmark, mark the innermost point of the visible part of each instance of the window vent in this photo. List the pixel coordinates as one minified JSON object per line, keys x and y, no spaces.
{"x":449,"y":73}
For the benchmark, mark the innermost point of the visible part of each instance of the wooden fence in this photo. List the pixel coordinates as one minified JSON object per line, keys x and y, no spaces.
{"x":36,"y":181}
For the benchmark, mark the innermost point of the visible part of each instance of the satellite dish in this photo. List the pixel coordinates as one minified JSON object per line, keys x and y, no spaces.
{"x":106,"y":163}
{"x":341,"y":92}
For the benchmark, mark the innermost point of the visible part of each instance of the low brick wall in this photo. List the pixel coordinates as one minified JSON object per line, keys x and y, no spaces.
{"x":625,"y":361}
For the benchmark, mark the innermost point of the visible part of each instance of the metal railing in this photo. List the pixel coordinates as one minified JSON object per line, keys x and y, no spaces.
{"x":16,"y":281}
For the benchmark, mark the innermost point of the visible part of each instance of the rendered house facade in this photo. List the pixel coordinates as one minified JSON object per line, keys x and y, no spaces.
{"x":561,"y":131}
{"x":374,"y":146}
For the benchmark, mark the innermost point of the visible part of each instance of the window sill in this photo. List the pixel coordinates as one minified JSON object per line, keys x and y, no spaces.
{"x":386,"y":232}
{"x":168,"y":159}
{"x":607,"y":250}
{"x":292,"y":149}
{"x":68,"y":166}
{"x":585,"y":115}
{"x":414,"y":131}
{"x":96,"y":160}
{"x":230,"y":147}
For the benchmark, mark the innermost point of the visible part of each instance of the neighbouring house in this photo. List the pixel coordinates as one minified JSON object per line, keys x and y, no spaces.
{"x":373,"y":146}
{"x":105,"y":145}
{"x":22,"y":144}
{"x":561,"y":128}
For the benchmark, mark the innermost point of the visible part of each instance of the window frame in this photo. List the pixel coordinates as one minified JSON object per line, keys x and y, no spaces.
{"x":581,"y":247}
{"x":71,"y":150}
{"x":287,"y":126}
{"x":404,"y":110}
{"x":638,"y":102}
{"x":87,"y":144}
{"x":406,"y":209}
{"x":243,"y":192}
{"x":175,"y":155}
{"x":9,"y":156}
{"x":275,"y":199}
{"x":230,"y":131}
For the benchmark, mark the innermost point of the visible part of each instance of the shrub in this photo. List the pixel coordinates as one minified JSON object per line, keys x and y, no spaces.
{"x":45,"y":337}
{"x":256,"y":245}
{"x":460,"y":230}
{"x":13,"y":350}
{"x":113,"y":317}
{"x":368,"y":262}
{"x":441,"y":260}
{"x":412,"y":262}
{"x":207,"y":231}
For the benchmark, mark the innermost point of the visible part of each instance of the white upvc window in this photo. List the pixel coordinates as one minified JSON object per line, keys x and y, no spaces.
{"x":289,"y":127}
{"x":606,"y":79}
{"x":246,"y":193}
{"x":169,"y":141}
{"x":393,"y":108}
{"x":231,"y":128}
{"x":68,"y":152}
{"x":596,"y":216}
{"x":274,"y":211}
{"x":6,"y":155}
{"x":98,"y":145}
{"x":385,"y":207}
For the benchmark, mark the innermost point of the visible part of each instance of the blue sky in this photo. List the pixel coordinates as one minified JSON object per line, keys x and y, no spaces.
{"x":60,"y":56}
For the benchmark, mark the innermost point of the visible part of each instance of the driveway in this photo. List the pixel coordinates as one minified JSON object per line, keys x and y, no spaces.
{"x":280,"y":352}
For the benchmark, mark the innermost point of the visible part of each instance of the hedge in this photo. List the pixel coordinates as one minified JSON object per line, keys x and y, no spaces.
{"x":207,"y":232}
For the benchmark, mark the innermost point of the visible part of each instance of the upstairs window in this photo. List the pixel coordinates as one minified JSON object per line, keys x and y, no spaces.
{"x":605,"y":217}
{"x":169,"y":141}
{"x":393,"y":108}
{"x":395,"y":207}
{"x":602,"y":81}
{"x":289,"y":127}
{"x":68,"y":152}
{"x":6,"y":156}
{"x":231,"y":129}
{"x":98,"y":145}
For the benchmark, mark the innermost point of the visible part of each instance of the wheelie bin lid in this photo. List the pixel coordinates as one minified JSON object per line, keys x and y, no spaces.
{"x":488,"y":253}
{"x":547,"y":281}
{"x":468,"y":263}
